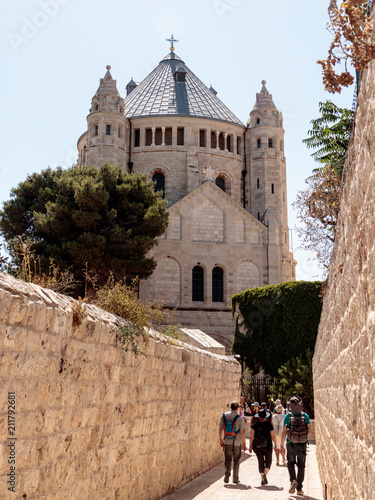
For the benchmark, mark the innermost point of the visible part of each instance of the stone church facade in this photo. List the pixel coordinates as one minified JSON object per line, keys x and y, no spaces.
{"x":225,"y":183}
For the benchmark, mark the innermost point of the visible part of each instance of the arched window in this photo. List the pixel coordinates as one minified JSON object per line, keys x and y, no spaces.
{"x":220,"y":182}
{"x":159,"y":180}
{"x":217,"y":285}
{"x":221,"y":141}
{"x":198,"y":274}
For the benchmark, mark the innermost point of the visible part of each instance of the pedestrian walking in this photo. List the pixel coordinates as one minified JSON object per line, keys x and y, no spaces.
{"x":261,"y":437}
{"x":254,"y":412}
{"x":246,"y":408}
{"x":278,"y":403}
{"x":232,"y":439}
{"x":297,"y":426}
{"x":278,"y":425}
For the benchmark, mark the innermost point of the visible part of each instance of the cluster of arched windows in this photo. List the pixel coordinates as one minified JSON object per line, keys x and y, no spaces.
{"x":159,"y":181}
{"x":217,"y":282}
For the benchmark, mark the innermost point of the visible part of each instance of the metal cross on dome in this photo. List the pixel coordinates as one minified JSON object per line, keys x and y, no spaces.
{"x":172,"y":40}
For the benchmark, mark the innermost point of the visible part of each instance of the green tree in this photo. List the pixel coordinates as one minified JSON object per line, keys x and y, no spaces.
{"x":102,"y":219}
{"x":330,"y":135}
{"x":276,"y":323}
{"x":318,"y":205}
{"x":296,"y":377}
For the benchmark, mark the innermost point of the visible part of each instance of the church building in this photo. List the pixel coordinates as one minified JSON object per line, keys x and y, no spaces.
{"x":225,"y":183}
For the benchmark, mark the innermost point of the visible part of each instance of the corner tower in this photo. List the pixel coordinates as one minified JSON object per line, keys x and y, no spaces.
{"x":107,"y":127}
{"x":267,"y":188}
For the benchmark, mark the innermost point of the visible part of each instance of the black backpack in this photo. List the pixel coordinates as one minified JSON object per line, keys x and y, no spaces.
{"x":297,"y":432}
{"x":260,"y":437}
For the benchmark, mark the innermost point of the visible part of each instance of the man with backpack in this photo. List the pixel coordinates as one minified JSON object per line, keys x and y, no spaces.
{"x":297,"y":426}
{"x":232,"y":439}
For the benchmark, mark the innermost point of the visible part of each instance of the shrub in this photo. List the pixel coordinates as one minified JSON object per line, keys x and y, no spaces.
{"x":276,"y":323}
{"x":122,"y":299}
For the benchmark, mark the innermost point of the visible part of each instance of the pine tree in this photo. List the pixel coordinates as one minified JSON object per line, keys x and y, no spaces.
{"x":99,"y":219}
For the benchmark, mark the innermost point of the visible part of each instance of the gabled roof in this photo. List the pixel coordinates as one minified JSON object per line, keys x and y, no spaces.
{"x":221,"y":198}
{"x":160,"y":94}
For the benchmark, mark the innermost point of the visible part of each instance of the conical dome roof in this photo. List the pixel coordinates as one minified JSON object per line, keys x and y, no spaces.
{"x":264,"y":99}
{"x":160,"y":94}
{"x":107,"y":84}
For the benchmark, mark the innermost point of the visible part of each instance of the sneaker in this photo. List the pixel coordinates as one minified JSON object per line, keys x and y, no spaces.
{"x":262,"y":482}
{"x":226,"y":479}
{"x":293,"y":486}
{"x":265,"y":481}
{"x":236,"y":481}
{"x":300,"y":493}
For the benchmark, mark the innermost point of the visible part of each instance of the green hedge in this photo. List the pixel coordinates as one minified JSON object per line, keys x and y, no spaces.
{"x":276,"y":323}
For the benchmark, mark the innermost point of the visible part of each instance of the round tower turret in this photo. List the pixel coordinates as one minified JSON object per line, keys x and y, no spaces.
{"x":107,"y":126}
{"x":266,"y":163}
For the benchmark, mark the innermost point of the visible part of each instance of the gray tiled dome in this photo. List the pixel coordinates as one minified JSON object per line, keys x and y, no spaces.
{"x":160,"y":94}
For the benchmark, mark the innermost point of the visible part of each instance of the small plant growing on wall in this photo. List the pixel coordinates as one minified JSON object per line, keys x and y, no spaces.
{"x":79,"y":312}
{"x":128,"y":336}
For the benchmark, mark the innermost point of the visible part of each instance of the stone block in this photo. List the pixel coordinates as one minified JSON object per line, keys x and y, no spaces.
{"x":14,"y":338}
{"x":30,"y":479}
{"x":5,"y":301}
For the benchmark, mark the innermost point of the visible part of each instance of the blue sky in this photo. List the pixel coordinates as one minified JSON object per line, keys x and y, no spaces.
{"x":55,"y":51}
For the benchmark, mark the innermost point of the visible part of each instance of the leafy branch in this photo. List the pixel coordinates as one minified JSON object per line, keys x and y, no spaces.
{"x":353,"y":42}
{"x":128,"y":335}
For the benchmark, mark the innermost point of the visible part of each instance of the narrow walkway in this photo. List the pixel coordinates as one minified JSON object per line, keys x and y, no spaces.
{"x":211,"y":485}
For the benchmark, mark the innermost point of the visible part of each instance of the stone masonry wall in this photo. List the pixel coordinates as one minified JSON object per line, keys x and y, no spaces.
{"x":344,"y":361}
{"x":93,"y":421}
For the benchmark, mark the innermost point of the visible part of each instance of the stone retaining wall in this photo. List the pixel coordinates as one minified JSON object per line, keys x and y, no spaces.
{"x":93,"y":421}
{"x":344,"y":361}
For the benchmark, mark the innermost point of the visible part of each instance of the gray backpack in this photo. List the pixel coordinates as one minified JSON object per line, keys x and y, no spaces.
{"x":297,"y":432}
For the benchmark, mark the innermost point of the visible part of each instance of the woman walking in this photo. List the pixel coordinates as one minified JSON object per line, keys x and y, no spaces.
{"x":261,"y":437}
{"x":277,"y":422}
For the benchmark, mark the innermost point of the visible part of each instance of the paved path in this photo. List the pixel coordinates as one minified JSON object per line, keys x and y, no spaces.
{"x":211,"y":485}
